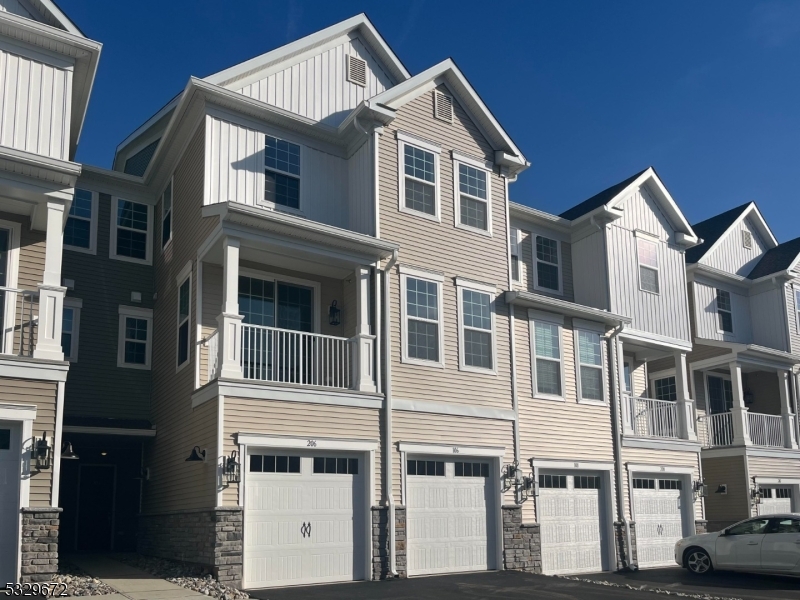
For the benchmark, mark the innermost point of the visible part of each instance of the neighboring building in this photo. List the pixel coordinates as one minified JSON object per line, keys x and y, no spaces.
{"x":47,"y":68}
{"x":744,"y":291}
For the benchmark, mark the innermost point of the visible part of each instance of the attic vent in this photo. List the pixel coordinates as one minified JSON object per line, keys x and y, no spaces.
{"x":747,"y":240}
{"x":356,"y":70}
{"x":442,"y":107}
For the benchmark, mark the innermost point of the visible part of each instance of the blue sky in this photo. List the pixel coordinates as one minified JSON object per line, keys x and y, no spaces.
{"x":707,"y":92}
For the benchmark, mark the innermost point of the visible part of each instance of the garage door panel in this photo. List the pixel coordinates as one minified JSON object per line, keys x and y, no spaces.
{"x":10,"y":467}
{"x":657,"y":506}
{"x":775,"y":500}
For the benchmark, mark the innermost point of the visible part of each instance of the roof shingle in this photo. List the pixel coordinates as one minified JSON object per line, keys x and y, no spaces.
{"x":776,"y":259}
{"x":598,"y":200}
{"x":711,"y":230}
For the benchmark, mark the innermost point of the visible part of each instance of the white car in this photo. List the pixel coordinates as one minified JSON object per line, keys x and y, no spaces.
{"x":769,"y":543}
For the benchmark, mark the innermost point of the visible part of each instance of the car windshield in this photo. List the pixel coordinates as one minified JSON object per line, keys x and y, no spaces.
{"x":754,"y":527}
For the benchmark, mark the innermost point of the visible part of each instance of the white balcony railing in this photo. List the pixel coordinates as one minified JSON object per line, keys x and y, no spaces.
{"x":765,"y":430}
{"x":716,"y":430}
{"x":19,"y":325}
{"x":212,"y":343}
{"x":654,"y":418}
{"x":287,"y":356}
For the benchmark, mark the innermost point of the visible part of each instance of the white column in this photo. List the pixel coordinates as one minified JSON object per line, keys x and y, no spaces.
{"x":741,"y":428}
{"x":51,"y":292}
{"x":627,"y":396}
{"x":789,"y":439}
{"x":685,"y":405}
{"x":364,"y":342}
{"x":230,"y":321}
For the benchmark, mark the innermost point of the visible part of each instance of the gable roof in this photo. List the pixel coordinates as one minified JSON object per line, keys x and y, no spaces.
{"x":598,"y":200}
{"x":56,"y":17}
{"x":713,"y":229}
{"x":780,"y":258}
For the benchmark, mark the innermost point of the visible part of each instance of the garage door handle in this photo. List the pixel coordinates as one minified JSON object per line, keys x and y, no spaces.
{"x":305,"y":529}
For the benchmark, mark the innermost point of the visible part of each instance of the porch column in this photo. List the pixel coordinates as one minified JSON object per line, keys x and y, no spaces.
{"x":626,"y":396}
{"x":684,"y":403}
{"x":51,"y":292}
{"x":229,"y":322}
{"x":364,"y":342}
{"x":789,"y":439}
{"x":741,"y":427}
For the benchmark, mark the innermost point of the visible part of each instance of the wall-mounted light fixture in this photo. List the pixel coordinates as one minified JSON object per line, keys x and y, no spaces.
{"x":513,"y":478}
{"x":722,"y":489}
{"x":700,"y":489}
{"x":197,"y":455}
{"x":67,"y":453}
{"x":756,"y":494}
{"x":334,"y":314}
{"x":232,"y":468}
{"x":42,"y":452}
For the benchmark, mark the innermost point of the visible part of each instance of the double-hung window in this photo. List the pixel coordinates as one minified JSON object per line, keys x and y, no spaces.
{"x":135,"y":337}
{"x":472,"y":193}
{"x":70,"y":327}
{"x":166,"y":215}
{"x":80,"y":231}
{"x":547,"y":261}
{"x":476,"y":320}
{"x":282,"y":173}
{"x":724,"y":311}
{"x":666,"y":389}
{"x":647,"y":254}
{"x":130,"y":231}
{"x":589,"y":360}
{"x":422,"y":317}
{"x":516,"y":240}
{"x":184,"y":312}
{"x":419,"y":177}
{"x":547,"y":354}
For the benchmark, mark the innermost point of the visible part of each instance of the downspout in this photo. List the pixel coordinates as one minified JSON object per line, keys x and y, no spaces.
{"x":511,"y":332}
{"x":387,"y":349}
{"x":617,"y":428}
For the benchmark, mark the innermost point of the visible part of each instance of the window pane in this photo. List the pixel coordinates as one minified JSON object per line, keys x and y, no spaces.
{"x":330,"y":465}
{"x":591,"y":383}
{"x":341,"y":466}
{"x":281,"y":464}
{"x":281,"y":189}
{"x":419,"y":164}
{"x":135,"y":329}
{"x":754,"y":527}
{"x":167,"y":198}
{"x":548,"y":377}
{"x":183,"y":343}
{"x":666,"y":389}
{"x":352,"y":466}
{"x":183,"y":300}
{"x":66,"y":344}
{"x":257,"y":301}
{"x":723,"y":300}
{"x":166,"y":228}
{"x":547,"y":276}
{"x":77,"y":232}
{"x":473,"y":213}
{"x":420,"y":196}
{"x":648,"y":253}
{"x":472,"y":181}
{"x":282,"y":155}
{"x":547,"y":250}
{"x":628,"y":381}
{"x":132,"y":243}
{"x":295,"y":307}
{"x":725,"y":321}
{"x":546,"y":340}
{"x":411,"y":467}
{"x":319,"y":464}
{"x":787,"y":526}
{"x":256,"y":463}
{"x":422,"y":298}
{"x":81,"y":204}
{"x":478,"y":349}
{"x":477,"y":310}
{"x":649,"y":279}
{"x":135,"y":353}
{"x":589,"y":348}
{"x":423,"y":340}
{"x":294,"y":464}
{"x":132,"y":215}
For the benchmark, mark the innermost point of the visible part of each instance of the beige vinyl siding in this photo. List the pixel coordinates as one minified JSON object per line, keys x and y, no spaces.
{"x":527,"y":280}
{"x":303,"y":420}
{"x":212,"y":308}
{"x":96,"y":387}
{"x":722,"y":510}
{"x":174,"y":485}
{"x":762,"y":466}
{"x":442,"y":247}
{"x":43,"y":394}
{"x":429,"y":428}
{"x":731,"y":256}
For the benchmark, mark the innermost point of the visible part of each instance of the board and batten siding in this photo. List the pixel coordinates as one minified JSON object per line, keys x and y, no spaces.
{"x":174,"y":484}
{"x":235,"y":172}
{"x":724,"y":509}
{"x":731,"y":256}
{"x":769,"y":314}
{"x":35,"y":101}
{"x":300,"y":420}
{"x":317,"y":87}
{"x":96,"y":386}
{"x":589,"y":271}
{"x":16,"y":7}
{"x":706,"y":319}
{"x":361,"y":189}
{"x":527,"y":263}
{"x":441,"y":247}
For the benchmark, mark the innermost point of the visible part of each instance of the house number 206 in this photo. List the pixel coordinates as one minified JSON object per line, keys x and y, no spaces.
{"x":312,"y":443}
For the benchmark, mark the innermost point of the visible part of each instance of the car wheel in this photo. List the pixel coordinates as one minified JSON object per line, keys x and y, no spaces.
{"x":698,"y":561}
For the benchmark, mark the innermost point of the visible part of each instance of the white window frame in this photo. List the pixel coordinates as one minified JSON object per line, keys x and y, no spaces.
{"x":75,"y":304}
{"x":274,"y":205}
{"x":535,"y":262}
{"x":717,"y":311}
{"x":171,"y":187}
{"x":514,"y":250}
{"x":482,"y":165}
{"x":12,"y":280}
{"x":647,"y":238}
{"x":138,"y":313}
{"x":276,"y":279}
{"x":404,"y":139}
{"x":438,"y":279}
{"x":597,"y":329}
{"x":92,"y":249}
{"x":482,"y":288}
{"x":747,"y":239}
{"x":184,"y":276}
{"x":112,"y":246}
{"x":535,"y":316}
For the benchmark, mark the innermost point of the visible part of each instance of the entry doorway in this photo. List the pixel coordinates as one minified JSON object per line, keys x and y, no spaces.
{"x":96,"y":484}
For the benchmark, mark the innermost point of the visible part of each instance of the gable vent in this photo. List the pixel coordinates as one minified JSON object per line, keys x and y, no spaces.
{"x":356,"y":70}
{"x":442,"y":107}
{"x":747,"y":240}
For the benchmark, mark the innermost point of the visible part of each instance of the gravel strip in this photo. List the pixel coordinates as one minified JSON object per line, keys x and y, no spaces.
{"x":80,"y":583}
{"x":646,"y":588}
{"x":192,"y":577}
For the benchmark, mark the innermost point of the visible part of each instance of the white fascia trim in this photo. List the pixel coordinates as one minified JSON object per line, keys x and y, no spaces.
{"x":263,"y":440}
{"x":451,"y":450}
{"x":288,"y":392}
{"x":637,"y":335}
{"x":777,"y":481}
{"x":662,"y":444}
{"x":472,"y":161}
{"x":135,"y":311}
{"x":723,"y":452}
{"x":12,"y":411}
{"x":657,"y":468}
{"x":784,"y":453}
{"x":31,"y":369}
{"x":571,"y":465}
{"x":476,"y":285}
{"x":419,"y":142}
{"x":446,"y":408}
{"x":421,"y":273}
{"x":110,"y":431}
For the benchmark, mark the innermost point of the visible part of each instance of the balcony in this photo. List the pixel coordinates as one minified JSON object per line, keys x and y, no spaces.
{"x":767,"y":431}
{"x":19,"y":315}
{"x":653,"y":418}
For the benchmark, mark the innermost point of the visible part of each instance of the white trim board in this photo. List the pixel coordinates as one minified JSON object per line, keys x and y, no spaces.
{"x":10,"y":411}
{"x":777,"y":480}
{"x":451,"y":449}
{"x":23,"y":368}
{"x":269,"y":441}
{"x":661,"y":444}
{"x":671,"y":469}
{"x":447,"y":408}
{"x":285,"y":392}
{"x":570,"y":465}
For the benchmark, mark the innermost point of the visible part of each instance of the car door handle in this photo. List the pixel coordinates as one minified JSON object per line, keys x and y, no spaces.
{"x":752,"y":543}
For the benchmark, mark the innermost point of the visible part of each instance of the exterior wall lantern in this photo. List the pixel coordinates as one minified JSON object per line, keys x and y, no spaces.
{"x":232,"y":468}
{"x":334,"y":314}
{"x":522,"y":484}
{"x":197,"y":455}
{"x":67,"y":453}
{"x":756,"y":495}
{"x":42,"y":452}
{"x":700,"y":489}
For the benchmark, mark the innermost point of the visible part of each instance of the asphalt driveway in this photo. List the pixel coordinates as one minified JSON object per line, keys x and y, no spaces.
{"x":522,"y":586}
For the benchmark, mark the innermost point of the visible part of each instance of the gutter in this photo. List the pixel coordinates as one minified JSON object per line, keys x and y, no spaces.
{"x":387,"y":347}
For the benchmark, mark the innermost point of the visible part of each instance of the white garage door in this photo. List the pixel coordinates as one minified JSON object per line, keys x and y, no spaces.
{"x":10,"y":462}
{"x":568,"y":509}
{"x":775,"y":500}
{"x":657,"y":509}
{"x":450,"y":516}
{"x":304,"y":518}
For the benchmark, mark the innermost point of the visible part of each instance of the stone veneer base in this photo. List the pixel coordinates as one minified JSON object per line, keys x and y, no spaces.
{"x":522,"y":543}
{"x":211,"y":538}
{"x":624,"y":562}
{"x":381,"y":569}
{"x":39,"y":544}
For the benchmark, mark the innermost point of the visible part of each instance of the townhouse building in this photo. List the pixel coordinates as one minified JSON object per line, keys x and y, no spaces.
{"x":743,"y":293}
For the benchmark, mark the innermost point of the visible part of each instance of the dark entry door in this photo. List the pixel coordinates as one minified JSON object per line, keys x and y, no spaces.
{"x":96,"y":508}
